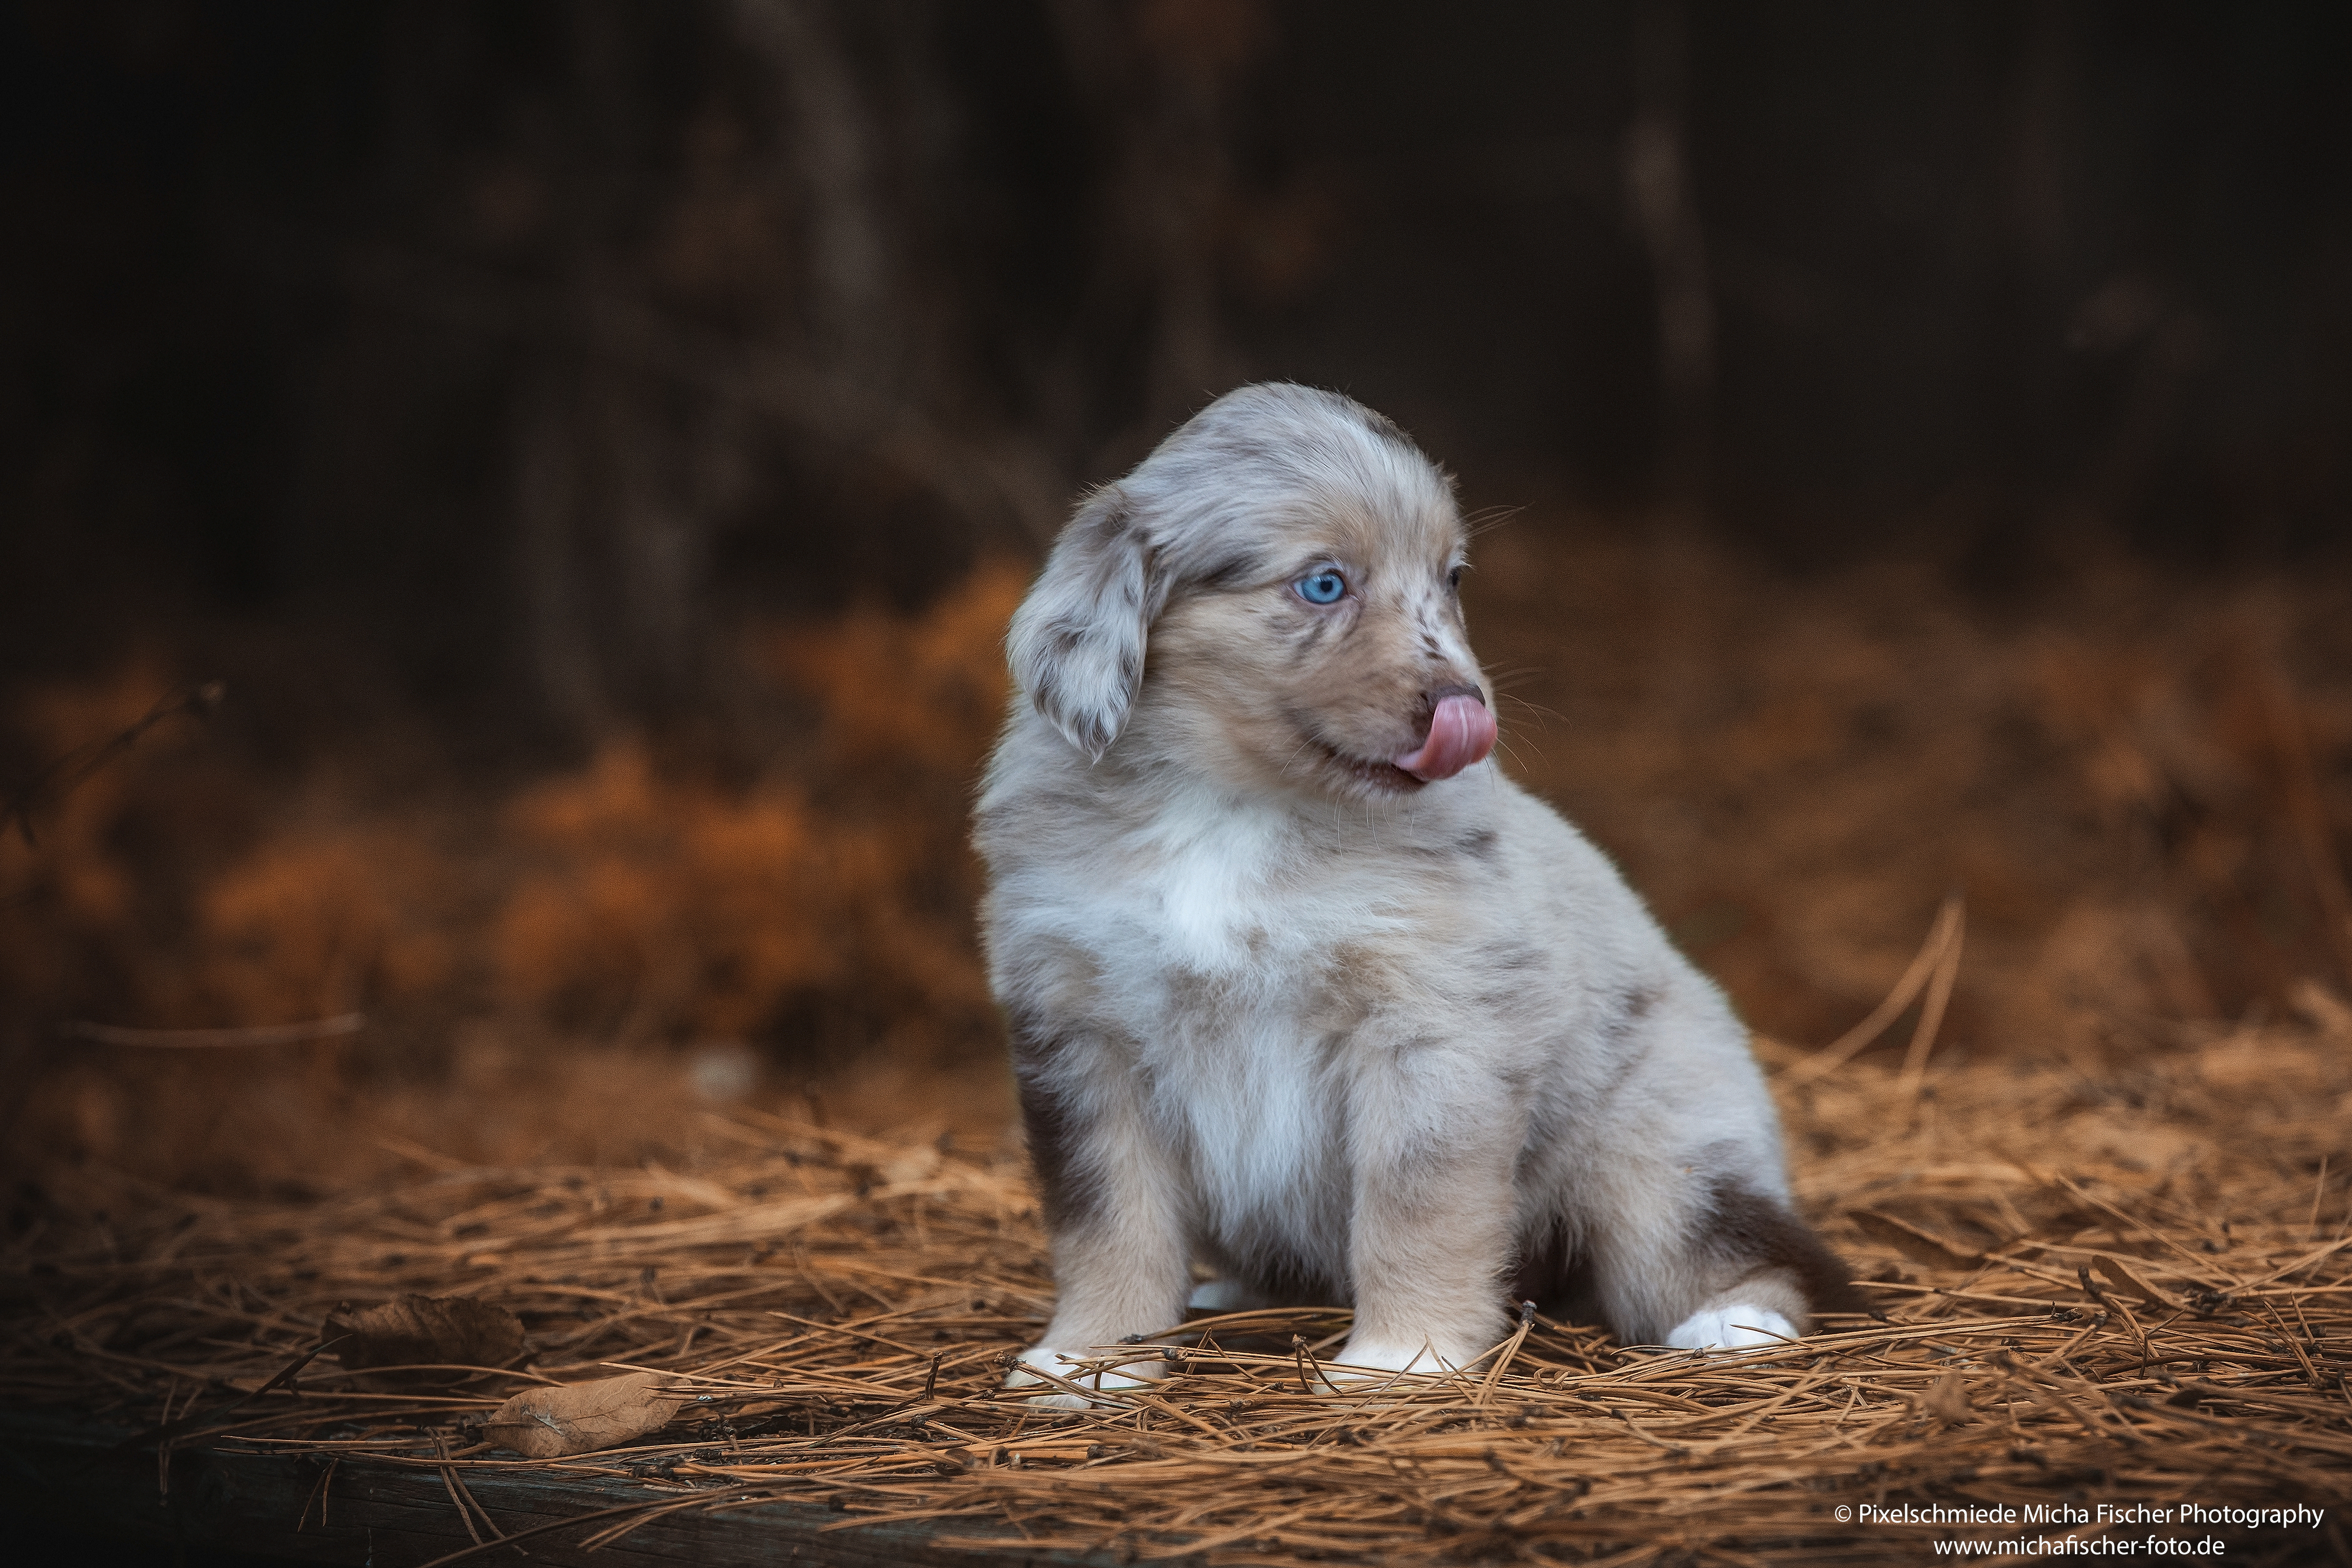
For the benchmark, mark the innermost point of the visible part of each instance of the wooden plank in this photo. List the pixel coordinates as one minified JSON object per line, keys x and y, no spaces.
{"x":65,"y":1474}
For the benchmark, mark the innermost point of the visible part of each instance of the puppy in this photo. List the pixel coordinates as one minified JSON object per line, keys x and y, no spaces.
{"x":1300,"y":987}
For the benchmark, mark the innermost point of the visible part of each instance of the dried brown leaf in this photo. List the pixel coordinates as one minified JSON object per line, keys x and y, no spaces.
{"x":1947,"y":1400}
{"x":581,"y":1417}
{"x":426,"y":1332}
{"x":2130,"y":1278}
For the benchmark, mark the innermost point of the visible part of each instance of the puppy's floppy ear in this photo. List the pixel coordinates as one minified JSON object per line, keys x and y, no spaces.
{"x":1076,"y":642}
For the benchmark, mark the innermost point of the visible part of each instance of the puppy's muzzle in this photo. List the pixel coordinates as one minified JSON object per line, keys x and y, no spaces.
{"x":1461,"y":733}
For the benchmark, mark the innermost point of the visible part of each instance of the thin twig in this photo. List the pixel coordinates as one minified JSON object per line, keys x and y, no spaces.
{"x":1834,"y":1055}
{"x":1939,"y":994}
{"x":211,"y":1038}
{"x":63,"y":775}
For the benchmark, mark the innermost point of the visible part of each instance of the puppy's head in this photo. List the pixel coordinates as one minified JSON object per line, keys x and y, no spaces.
{"x":1270,"y":595}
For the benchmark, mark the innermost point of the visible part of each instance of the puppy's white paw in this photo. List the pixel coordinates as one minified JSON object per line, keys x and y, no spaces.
{"x":1734,"y":1327}
{"x":1061,"y":1363}
{"x":1218,"y":1296}
{"x":1371,"y":1361}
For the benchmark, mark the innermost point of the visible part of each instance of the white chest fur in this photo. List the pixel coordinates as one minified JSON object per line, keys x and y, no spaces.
{"x":1212,"y":894}
{"x":1222,"y":959}
{"x":1248,"y":893}
{"x":1259,"y":1121}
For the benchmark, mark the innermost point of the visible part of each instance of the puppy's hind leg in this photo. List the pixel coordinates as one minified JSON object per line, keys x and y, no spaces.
{"x":1734,"y":1270}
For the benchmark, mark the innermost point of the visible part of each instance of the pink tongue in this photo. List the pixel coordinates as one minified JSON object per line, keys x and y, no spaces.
{"x":1461,"y":732}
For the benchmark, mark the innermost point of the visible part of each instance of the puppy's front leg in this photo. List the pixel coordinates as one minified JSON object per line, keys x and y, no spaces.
{"x":1432,"y":1138}
{"x":1114,"y":1203}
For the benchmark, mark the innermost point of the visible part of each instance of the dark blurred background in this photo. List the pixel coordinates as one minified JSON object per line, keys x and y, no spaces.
{"x":597,"y":447}
{"x":522,"y":343}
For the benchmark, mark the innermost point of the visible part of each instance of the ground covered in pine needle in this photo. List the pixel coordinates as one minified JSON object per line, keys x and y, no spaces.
{"x":2133,"y":1288}
{"x":674,"y":1061}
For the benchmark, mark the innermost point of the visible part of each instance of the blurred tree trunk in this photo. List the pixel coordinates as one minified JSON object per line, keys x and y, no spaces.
{"x":1155,"y":78}
{"x":1661,"y":193}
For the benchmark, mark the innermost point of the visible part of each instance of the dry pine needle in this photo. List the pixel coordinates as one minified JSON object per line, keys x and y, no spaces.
{"x":2136,"y":1286}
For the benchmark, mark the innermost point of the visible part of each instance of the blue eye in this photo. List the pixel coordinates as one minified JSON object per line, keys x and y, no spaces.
{"x":1325,"y":587}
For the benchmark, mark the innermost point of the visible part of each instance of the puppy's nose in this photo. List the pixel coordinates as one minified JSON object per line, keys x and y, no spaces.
{"x":1461,"y":733}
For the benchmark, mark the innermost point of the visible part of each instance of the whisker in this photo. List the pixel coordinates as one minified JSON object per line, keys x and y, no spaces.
{"x":1540,"y":713}
{"x":1486,"y":519}
{"x":1518,"y":758}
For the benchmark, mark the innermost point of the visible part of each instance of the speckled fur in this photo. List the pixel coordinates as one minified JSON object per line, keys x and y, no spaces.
{"x":1278,"y":1007}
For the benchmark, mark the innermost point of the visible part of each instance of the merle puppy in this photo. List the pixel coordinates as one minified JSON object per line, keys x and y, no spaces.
{"x":1303,"y":990}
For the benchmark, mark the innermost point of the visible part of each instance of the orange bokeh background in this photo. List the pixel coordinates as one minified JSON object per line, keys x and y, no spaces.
{"x":2137,"y":799}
